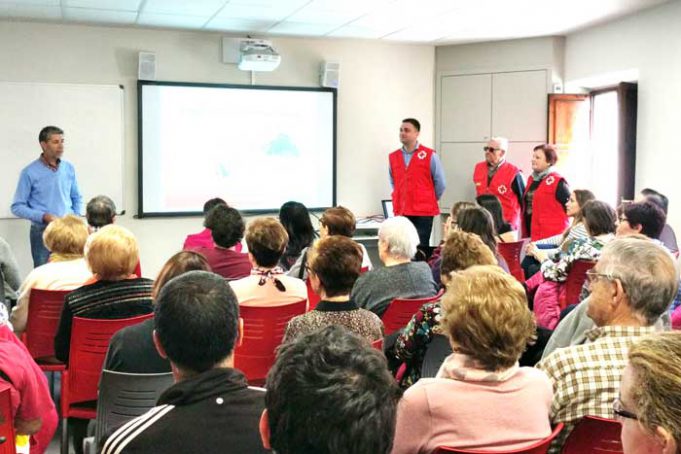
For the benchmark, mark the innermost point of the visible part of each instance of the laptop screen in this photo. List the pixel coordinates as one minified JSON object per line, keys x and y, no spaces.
{"x":387,"y":208}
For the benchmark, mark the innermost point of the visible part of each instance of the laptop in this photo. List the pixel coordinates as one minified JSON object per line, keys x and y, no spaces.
{"x":387,"y":208}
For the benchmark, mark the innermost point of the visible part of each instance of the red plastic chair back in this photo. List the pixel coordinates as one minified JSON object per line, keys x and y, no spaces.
{"x":264,"y":328}
{"x":400,"y":311}
{"x":594,"y":435}
{"x":45,"y":308}
{"x":575,"y":280}
{"x":7,"y":434}
{"x":312,"y":298}
{"x":511,"y":253}
{"x":540,"y":447}
{"x":89,"y":343}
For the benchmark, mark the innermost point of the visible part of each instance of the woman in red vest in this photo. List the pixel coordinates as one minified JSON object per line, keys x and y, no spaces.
{"x":545,"y":196}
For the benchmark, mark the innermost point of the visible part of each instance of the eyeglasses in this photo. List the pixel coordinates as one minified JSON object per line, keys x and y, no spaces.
{"x":490,"y":149}
{"x":620,"y":412}
{"x":623,"y":219}
{"x":593,"y":276}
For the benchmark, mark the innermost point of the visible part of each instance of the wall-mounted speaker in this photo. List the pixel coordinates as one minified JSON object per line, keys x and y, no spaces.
{"x":329,"y":74}
{"x":146,"y":67}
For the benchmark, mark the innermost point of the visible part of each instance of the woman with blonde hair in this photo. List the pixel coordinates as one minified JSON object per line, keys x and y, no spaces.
{"x":649,"y":406}
{"x":113,"y":292}
{"x":481,"y":398}
{"x":66,"y":269}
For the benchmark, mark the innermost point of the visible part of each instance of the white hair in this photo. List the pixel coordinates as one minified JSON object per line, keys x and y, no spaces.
{"x":502,"y":141}
{"x":400,"y":237}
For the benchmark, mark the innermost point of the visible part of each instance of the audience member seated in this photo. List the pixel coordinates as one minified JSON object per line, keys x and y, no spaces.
{"x":9,"y":277}
{"x":111,"y":253}
{"x":210,"y":408}
{"x":631,"y":286}
{"x":400,"y":277}
{"x":205,"y":238}
{"x":66,"y":270}
{"x":478,"y":220}
{"x":296,"y":220}
{"x":556,"y":244}
{"x":100,"y":211}
{"x":481,"y":398}
{"x":667,"y":236}
{"x":33,"y":411}
{"x":461,"y":250}
{"x":334,"y":265}
{"x":504,"y":230}
{"x":649,"y":406}
{"x":132,"y":349}
{"x":449,"y":226}
{"x":267,"y":285}
{"x":334,"y":221}
{"x":548,"y":286}
{"x":227,"y":227}
{"x":648,"y":221}
{"x":348,"y":400}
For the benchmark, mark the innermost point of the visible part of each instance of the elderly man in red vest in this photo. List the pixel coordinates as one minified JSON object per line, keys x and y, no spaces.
{"x":418,"y":181}
{"x":499,"y":177}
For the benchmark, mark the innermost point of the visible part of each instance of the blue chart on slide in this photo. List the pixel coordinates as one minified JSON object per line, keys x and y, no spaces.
{"x":255,"y":148}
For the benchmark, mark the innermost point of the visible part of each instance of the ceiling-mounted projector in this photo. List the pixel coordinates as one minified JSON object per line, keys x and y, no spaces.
{"x":258,"y":55}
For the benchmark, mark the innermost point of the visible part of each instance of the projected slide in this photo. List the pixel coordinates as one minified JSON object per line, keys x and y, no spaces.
{"x":256,"y":148}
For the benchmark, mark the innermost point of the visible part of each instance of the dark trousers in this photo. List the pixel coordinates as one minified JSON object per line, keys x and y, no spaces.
{"x":424,"y":226}
{"x":39,"y":252}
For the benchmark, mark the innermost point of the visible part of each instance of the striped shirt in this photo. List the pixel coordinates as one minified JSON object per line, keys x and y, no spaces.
{"x":586,"y":378}
{"x":105,"y":300}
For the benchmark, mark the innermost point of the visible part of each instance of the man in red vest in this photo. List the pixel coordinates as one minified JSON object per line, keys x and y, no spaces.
{"x":499,"y":177}
{"x":418,"y":181}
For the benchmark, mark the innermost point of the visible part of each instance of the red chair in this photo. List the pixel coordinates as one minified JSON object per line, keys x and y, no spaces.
{"x":89,"y":343}
{"x":7,"y":434}
{"x":540,"y":447}
{"x":511,"y":253}
{"x":312,"y":298}
{"x":45,"y":308}
{"x":138,"y":269}
{"x":264,"y":328}
{"x":575,"y":280}
{"x":594,"y":435}
{"x":400,"y":311}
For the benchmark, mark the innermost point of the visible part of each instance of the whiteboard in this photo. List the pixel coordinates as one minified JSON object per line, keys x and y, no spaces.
{"x":92,"y":119}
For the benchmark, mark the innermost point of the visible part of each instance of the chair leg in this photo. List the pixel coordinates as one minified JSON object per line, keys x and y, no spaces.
{"x":65,"y":436}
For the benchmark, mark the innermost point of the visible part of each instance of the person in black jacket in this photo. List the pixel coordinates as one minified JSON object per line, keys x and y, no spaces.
{"x":210,"y":408}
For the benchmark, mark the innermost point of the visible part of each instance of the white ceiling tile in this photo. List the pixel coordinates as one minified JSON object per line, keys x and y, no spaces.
{"x":30,"y":2}
{"x":300,"y":29}
{"x":255,"y":12}
{"x":118,"y":5}
{"x":33,"y":12}
{"x":192,"y":7}
{"x":307,"y":16}
{"x":354,"y":31}
{"x":100,"y":16}
{"x":171,"y":20}
{"x":287,"y":4}
{"x":239,"y":25}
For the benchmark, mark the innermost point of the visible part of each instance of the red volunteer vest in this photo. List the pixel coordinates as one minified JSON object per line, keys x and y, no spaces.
{"x":413,"y":188}
{"x":500,"y":186}
{"x":548,"y":215}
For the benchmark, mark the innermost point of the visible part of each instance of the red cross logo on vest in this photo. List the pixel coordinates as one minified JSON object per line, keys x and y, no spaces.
{"x":421,"y":155}
{"x":502,"y":189}
{"x":550,"y":180}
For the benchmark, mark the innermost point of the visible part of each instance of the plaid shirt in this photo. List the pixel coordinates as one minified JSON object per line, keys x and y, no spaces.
{"x":586,"y":378}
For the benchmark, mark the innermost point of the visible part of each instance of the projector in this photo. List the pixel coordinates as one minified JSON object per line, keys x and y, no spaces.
{"x":258,"y":55}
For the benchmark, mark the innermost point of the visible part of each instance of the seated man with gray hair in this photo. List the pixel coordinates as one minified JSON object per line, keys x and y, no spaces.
{"x":632,"y":284}
{"x":100,"y":211}
{"x":400,"y":277}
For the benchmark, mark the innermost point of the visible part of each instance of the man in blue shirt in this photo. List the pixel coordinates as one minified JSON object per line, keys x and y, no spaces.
{"x":47,"y":189}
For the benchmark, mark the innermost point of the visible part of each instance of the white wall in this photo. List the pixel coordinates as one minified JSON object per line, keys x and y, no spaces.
{"x":648,"y":43}
{"x":381,"y":83}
